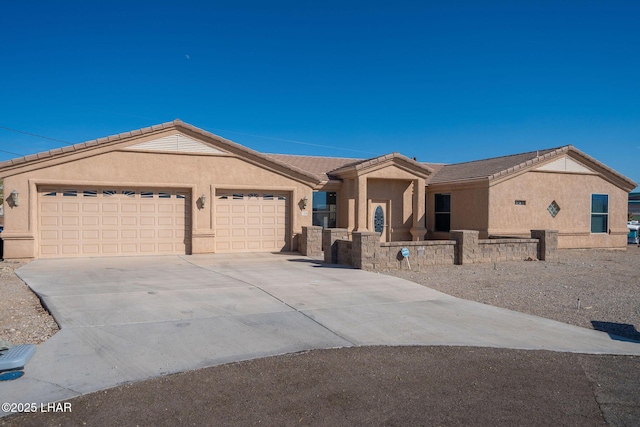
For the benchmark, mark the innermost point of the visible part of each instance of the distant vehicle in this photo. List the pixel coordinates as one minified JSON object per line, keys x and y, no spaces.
{"x":634,"y":232}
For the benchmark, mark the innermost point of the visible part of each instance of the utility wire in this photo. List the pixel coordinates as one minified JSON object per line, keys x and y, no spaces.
{"x":294,"y":142}
{"x":36,"y":135}
{"x":11,"y":152}
{"x":216,"y":129}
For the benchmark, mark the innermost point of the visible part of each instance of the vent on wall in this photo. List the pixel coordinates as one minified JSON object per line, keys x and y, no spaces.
{"x":177,"y":144}
{"x":565,"y":164}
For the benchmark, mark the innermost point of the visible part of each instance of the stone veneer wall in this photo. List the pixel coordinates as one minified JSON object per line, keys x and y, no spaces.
{"x":421,"y":254}
{"x":470,"y":249}
{"x":494,"y":250}
{"x":343,"y":252}
{"x":330,"y":236}
{"x":365,"y":251}
{"x":311,"y":241}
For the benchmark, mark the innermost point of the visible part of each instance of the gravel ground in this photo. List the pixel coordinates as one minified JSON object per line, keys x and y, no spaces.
{"x":371,"y":386}
{"x":607,"y":283}
{"x":396,"y":385}
{"x":22,"y":318}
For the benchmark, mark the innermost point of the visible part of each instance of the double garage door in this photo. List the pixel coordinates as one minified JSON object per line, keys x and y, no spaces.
{"x":80,"y":222}
{"x":90,"y":221}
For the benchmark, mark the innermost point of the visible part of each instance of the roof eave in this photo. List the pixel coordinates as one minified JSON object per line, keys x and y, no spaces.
{"x":361,"y":167}
{"x":30,"y":162}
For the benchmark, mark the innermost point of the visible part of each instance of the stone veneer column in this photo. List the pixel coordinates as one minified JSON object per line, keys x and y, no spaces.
{"x":547,"y":244}
{"x":467,"y":249}
{"x":365,"y":246}
{"x":329,"y":237}
{"x":311,"y":242}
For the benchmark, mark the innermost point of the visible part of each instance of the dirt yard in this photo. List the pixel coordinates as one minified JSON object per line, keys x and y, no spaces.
{"x":22,"y":318}
{"x":395,"y":385}
{"x":606,"y":283}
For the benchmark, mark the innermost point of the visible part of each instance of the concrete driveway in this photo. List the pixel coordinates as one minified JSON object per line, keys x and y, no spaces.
{"x":128,"y":319}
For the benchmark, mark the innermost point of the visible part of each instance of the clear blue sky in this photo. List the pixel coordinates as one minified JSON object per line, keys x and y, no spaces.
{"x":442,"y":81}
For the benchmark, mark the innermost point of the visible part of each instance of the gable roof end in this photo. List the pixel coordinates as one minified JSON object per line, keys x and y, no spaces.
{"x":362,"y":165}
{"x":486,"y":168}
{"x":500,"y":167}
{"x":176,"y":124}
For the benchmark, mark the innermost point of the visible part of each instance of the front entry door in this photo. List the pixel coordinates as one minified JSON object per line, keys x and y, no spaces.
{"x":380,"y":220}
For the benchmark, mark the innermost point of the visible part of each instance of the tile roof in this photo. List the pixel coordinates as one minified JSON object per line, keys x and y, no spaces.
{"x":320,"y":167}
{"x":84,"y":145}
{"x":177,"y":123}
{"x":366,"y":163}
{"x":324,"y":167}
{"x":494,"y":167}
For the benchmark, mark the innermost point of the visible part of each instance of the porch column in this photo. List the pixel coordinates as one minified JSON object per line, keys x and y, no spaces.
{"x":418,"y":231}
{"x":361,"y":203}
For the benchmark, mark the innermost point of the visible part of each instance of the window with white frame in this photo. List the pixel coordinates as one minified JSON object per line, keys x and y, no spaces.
{"x":599,"y":213}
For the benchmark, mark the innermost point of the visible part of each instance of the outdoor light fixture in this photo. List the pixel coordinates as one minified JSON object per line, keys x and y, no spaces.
{"x":304,"y":202}
{"x":203,"y":200}
{"x":14,"y":198}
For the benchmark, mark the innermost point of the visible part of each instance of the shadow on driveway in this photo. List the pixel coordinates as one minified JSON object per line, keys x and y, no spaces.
{"x":618,"y":331}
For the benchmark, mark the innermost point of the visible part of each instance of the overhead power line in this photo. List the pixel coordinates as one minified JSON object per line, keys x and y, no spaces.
{"x":11,"y":152}
{"x":34,"y":134}
{"x":294,"y":142}
{"x":221,"y":130}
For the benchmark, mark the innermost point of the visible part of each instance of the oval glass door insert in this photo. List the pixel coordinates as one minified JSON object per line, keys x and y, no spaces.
{"x":378,"y":220}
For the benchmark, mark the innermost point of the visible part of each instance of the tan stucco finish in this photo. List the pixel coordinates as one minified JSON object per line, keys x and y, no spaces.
{"x":208,"y":166}
{"x":572,"y":192}
{"x":390,"y":183}
{"x":201,"y":174}
{"x":468,"y":208}
{"x":491,"y":209}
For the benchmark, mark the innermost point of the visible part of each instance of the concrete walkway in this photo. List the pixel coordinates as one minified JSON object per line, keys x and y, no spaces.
{"x":129,"y":319}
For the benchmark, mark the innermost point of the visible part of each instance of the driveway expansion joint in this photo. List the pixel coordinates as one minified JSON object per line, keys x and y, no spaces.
{"x":261,"y":324}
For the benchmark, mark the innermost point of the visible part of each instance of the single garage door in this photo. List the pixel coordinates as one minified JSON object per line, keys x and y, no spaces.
{"x":81,"y":222}
{"x":251,"y":221}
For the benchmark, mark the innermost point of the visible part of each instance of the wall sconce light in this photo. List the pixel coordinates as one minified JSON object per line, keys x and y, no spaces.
{"x":14,"y":198}
{"x":304,"y":202}
{"x":203,"y":200}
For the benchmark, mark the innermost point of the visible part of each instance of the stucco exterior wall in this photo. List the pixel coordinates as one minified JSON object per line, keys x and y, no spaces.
{"x":208,"y":164}
{"x":347,"y":205}
{"x":469,"y":208}
{"x":572,"y":192}
{"x":399,"y":193}
{"x":199,"y":174}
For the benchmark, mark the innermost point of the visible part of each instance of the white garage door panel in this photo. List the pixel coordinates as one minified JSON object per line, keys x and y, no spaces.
{"x":108,"y":221}
{"x":251,"y":221}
